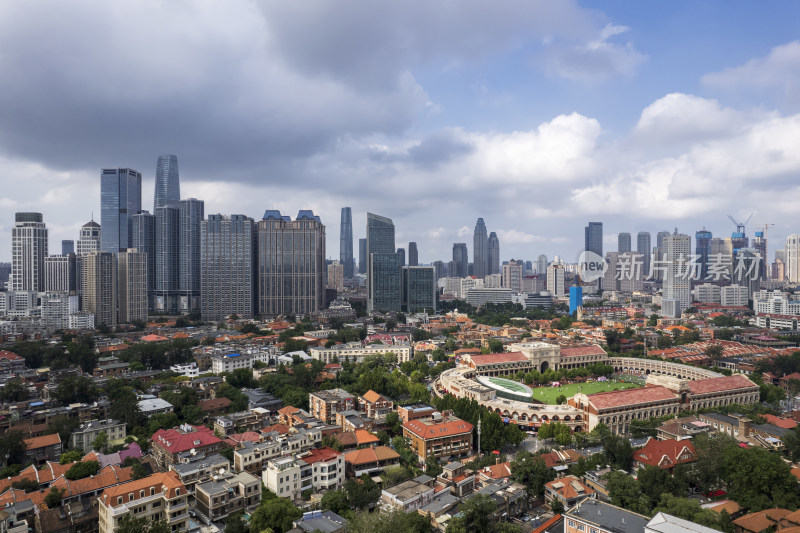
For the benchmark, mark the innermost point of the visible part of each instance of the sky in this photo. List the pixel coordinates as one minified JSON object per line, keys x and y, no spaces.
{"x":538,"y":116}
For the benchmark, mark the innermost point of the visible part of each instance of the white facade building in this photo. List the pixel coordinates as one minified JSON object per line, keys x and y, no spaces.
{"x":677,"y":250}
{"x":354,"y":352}
{"x":555,"y":280}
{"x":734,"y":296}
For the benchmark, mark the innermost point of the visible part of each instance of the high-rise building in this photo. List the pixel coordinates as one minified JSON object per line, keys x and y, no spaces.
{"x":440,"y":269}
{"x":167,"y":250}
{"x":593,"y":237}
{"x":460,"y":260}
{"x":493,"y":266}
{"x":168,"y":185}
{"x":792,"y":251}
{"x":480,"y":250}
{"x":555,"y":280}
{"x":132,"y":286}
{"x":291,"y":263}
{"x":402,"y":253}
{"x":346,"y":243}
{"x":623,"y":242}
{"x":512,"y":276}
{"x":413,"y":254}
{"x":362,"y":256}
{"x":677,"y":285}
{"x":659,"y":254}
{"x":28,"y":250}
{"x":643,"y":247}
{"x":760,"y":245}
{"x":144,"y":240}
{"x":419,"y":289}
{"x":89,"y":240}
{"x":384,"y":286}
{"x":541,"y":265}
{"x":335,"y":276}
{"x":67,"y":246}
{"x":228,"y":267}
{"x":60,"y":274}
{"x":99,"y":287}
{"x":610,"y":281}
{"x":702,"y":247}
{"x":190,"y":218}
{"x":120,"y":199}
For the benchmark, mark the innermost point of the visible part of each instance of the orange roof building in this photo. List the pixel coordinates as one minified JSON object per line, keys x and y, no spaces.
{"x":439,"y":436}
{"x":161,"y":496}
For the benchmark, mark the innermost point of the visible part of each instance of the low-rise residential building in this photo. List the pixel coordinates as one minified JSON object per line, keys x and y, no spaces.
{"x":253,"y":457}
{"x":354,"y":352}
{"x":87,"y":432}
{"x":201,"y":469}
{"x":325,"y":404}
{"x":169,"y":444}
{"x":158,"y":497}
{"x":409,"y":495}
{"x":151,"y":405}
{"x":595,"y":516}
{"x":370,"y":461}
{"x":226,"y":494}
{"x":238,"y":422}
{"x":227,"y":363}
{"x":326,"y":521}
{"x":374,"y":405}
{"x":39,"y":450}
{"x":664,"y":454}
{"x":318,"y":469}
{"x":413,"y":412}
{"x":442,"y":435}
{"x":282,"y":476}
{"x":568,"y":490}
{"x":189,"y":370}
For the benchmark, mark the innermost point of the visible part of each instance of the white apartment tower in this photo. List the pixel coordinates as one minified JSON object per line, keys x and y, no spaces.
{"x":28,"y":250}
{"x":677,"y":284}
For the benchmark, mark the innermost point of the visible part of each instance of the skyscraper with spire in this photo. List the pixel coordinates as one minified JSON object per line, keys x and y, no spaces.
{"x":493,"y":260}
{"x":168,"y":186}
{"x":346,"y":243}
{"x":480,"y":252}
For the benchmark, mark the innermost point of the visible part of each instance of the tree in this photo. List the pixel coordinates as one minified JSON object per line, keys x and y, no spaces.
{"x":531,"y":471}
{"x":336,"y":501}
{"x":654,"y":481}
{"x":561,"y":399}
{"x":624,"y":492}
{"x":241,"y":378}
{"x":12,"y":447}
{"x":432,"y":466}
{"x":394,"y":422}
{"x":277,"y":514}
{"x":131,"y":524}
{"x":74,"y":389}
{"x":100,"y":442}
{"x":393,"y":521}
{"x":82,"y":470}
{"x":13,"y":391}
{"x":477,"y":513}
{"x":70,"y":456}
{"x":53,"y":498}
{"x":689,"y":509}
{"x":714,"y":352}
{"x":235,"y":523}
{"x":362,"y":493}
{"x":28,"y":485}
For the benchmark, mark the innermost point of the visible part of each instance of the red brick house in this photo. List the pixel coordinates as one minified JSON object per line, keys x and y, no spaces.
{"x":168,"y":444}
{"x":664,"y":454}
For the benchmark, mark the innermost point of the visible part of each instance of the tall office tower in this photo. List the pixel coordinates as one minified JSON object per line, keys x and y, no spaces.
{"x":228,"y":267}
{"x":346,"y":243}
{"x":440,"y":269}
{"x":28,"y":250}
{"x":747,"y":272}
{"x":480,"y":250}
{"x":676,"y":291}
{"x":660,"y":236}
{"x":335,"y":276}
{"x":555,"y":280}
{"x":362,"y":256}
{"x":384,"y":286}
{"x":402,"y":253}
{"x":89,"y":240}
{"x":167,"y":232}
{"x":512,"y":276}
{"x":168,"y":185}
{"x":460,"y":260}
{"x":413,"y":254}
{"x":702,"y":249}
{"x":721,"y":253}
{"x":59,"y":273}
{"x":760,"y":245}
{"x":99,"y":287}
{"x":541,"y":265}
{"x":67,"y":246}
{"x":291,"y":263}
{"x":493,"y":255}
{"x":132,"y":285}
{"x":191,"y":216}
{"x":610,"y":281}
{"x":623,"y":242}
{"x":120,"y":199}
{"x":659,"y":253}
{"x":528,"y":268}
{"x":643,"y":247}
{"x":5,"y":273}
{"x":144,"y":240}
{"x":593,"y":238}
{"x":792,"y":263}
{"x":419,"y":289}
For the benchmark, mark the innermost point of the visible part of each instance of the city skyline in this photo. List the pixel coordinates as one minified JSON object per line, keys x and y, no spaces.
{"x":633,"y":115}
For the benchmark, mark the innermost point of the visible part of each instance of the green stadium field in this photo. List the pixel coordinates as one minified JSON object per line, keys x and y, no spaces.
{"x":510,"y":385}
{"x":549,"y":394}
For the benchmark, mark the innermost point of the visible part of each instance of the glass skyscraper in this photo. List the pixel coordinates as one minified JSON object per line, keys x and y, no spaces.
{"x":419,"y":289}
{"x":346,"y":242}
{"x":624,"y":242}
{"x":460,"y":260}
{"x":191,"y":215}
{"x":120,"y":199}
{"x":643,"y":247}
{"x":167,"y":232}
{"x":144,"y":240}
{"x":413,"y":254}
{"x":493,"y":260}
{"x":384,"y":287}
{"x":594,"y":238}
{"x":168,"y":187}
{"x":480,"y":250}
{"x":362,"y":256}
{"x":228,"y":267}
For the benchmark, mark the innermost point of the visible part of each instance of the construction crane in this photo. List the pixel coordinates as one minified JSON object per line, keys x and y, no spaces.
{"x":740,"y":225}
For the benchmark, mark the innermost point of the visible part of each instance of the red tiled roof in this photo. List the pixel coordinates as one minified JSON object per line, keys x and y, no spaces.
{"x":724,"y":383}
{"x":176,"y":441}
{"x":566,"y":487}
{"x":365,"y":437}
{"x":611,"y":399}
{"x":664,"y":453}
{"x":370,"y":455}
{"x":283,"y":429}
{"x":430,"y":430}
{"x":372,"y":397}
{"x":498,"y":471}
{"x":214,"y":403}
{"x":498,"y":358}
{"x":162,"y":480}
{"x":153,"y":338}
{"x":318,"y":455}
{"x":785,"y":423}
{"x":40,"y":442}
{"x":11,"y":356}
{"x":576,"y":351}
